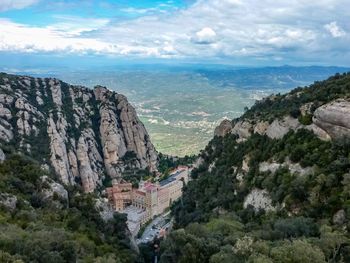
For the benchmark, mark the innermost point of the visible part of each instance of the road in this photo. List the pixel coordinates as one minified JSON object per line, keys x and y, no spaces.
{"x":152,"y":229}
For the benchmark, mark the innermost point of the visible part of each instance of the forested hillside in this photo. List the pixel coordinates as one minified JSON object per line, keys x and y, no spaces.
{"x":278,"y":191}
{"x":42,"y":222}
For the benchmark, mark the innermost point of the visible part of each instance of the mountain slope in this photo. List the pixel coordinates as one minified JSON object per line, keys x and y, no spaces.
{"x":273,"y":185}
{"x":82,"y":134}
{"x":41,"y":221}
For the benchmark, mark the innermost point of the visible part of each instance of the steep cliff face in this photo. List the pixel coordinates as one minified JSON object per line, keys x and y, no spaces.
{"x":82,"y":134}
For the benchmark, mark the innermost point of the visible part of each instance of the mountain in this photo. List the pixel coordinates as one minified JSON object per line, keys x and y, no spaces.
{"x":59,"y":145}
{"x":273,"y":185}
{"x":83,"y":135}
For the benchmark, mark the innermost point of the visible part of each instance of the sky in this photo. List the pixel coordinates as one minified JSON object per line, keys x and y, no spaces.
{"x":235,"y":32}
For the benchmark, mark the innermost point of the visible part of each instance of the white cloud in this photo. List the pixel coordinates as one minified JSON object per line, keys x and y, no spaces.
{"x":15,"y":4}
{"x":334,"y":29}
{"x":17,"y":37}
{"x":226,"y":29}
{"x":75,"y":26}
{"x":138,"y":11}
{"x":205,"y":36}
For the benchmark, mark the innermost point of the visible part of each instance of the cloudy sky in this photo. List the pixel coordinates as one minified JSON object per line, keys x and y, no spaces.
{"x":238,"y":32}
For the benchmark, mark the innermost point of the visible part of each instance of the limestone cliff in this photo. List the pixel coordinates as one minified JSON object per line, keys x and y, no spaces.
{"x":82,"y":134}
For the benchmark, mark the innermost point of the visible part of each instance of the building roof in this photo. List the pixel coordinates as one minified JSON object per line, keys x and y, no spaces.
{"x":172,"y":176}
{"x":140,"y":192}
{"x":167,"y":181}
{"x":150,"y":187}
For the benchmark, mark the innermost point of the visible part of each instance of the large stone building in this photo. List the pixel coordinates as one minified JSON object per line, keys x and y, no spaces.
{"x":120,"y":195}
{"x":150,"y":199}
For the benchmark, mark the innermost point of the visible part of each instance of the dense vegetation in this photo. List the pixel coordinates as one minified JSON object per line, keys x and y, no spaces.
{"x":277,"y":106}
{"x":168,"y":163}
{"x":309,"y":222}
{"x":52,"y":229}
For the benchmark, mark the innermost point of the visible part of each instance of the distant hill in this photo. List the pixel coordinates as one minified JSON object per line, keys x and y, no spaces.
{"x":284,"y":77}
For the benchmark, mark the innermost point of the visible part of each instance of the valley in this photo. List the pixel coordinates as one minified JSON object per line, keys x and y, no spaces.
{"x":181,"y":106}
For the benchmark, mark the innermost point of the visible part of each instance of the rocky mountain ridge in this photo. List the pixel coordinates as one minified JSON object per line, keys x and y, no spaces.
{"x":82,"y":134}
{"x":272,"y":185}
{"x":327,"y":119}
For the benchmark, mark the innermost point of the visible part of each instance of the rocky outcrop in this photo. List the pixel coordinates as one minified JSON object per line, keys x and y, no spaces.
{"x":2,"y":156}
{"x":123,"y":133}
{"x":82,"y":134}
{"x":198,"y":162}
{"x":334,"y":118}
{"x":278,"y":128}
{"x":8,"y":201}
{"x":339,"y":218}
{"x":211,"y":166}
{"x":320,"y":133}
{"x":259,"y":199}
{"x":104,"y":208}
{"x":51,"y":189}
{"x":294,"y":168}
{"x":243,"y":129}
{"x":224,"y":128}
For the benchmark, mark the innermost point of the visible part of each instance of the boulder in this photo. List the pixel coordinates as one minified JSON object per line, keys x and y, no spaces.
{"x":224,"y":128}
{"x":334,"y":118}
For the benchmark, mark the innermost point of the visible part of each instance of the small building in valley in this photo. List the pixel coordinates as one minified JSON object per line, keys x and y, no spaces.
{"x":149,"y":199}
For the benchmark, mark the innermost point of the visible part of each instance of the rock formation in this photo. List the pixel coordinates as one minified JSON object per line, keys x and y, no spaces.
{"x":82,"y":134}
{"x":224,"y":128}
{"x":334,"y":118}
{"x":330,"y":121}
{"x":259,"y":199}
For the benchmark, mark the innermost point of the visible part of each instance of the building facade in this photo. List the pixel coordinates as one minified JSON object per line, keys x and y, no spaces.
{"x":120,"y":195}
{"x":150,"y":198}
